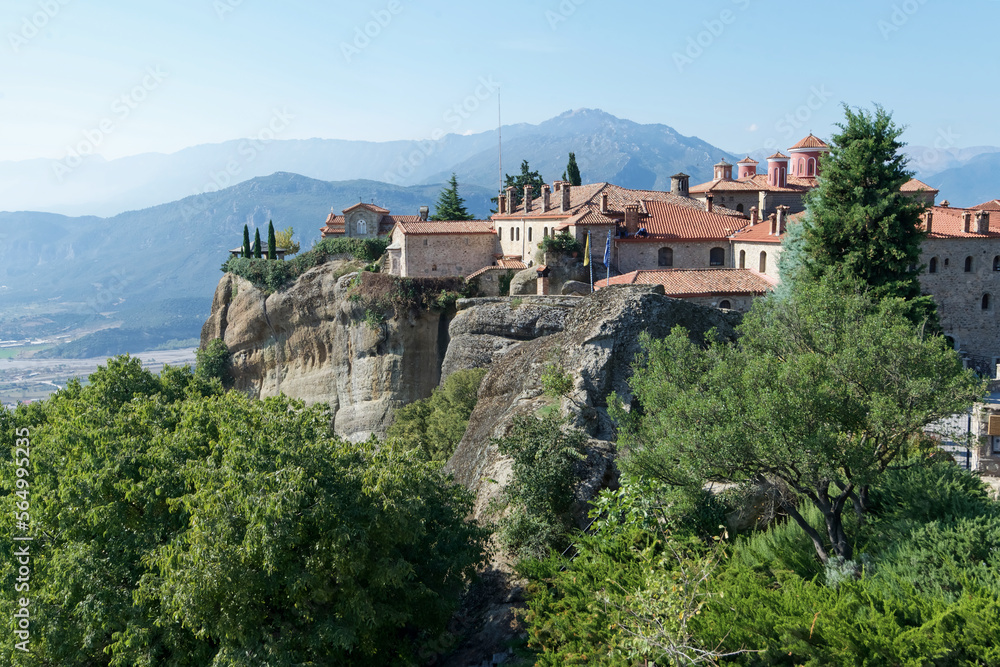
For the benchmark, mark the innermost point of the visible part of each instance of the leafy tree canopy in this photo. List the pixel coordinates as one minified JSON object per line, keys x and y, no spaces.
{"x":449,"y":205}
{"x":526,"y":177}
{"x":284,"y":240}
{"x":572,"y":171}
{"x":824,"y":391}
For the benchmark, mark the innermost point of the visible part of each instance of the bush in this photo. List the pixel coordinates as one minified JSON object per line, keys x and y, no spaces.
{"x":563,"y":242}
{"x":214,"y":362}
{"x":272,"y":275}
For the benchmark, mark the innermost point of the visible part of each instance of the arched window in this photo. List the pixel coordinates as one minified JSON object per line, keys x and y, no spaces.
{"x":763,"y":262}
{"x":518,"y":234}
{"x":361,"y":226}
{"x":511,"y":233}
{"x":932,"y":267}
{"x":812,"y":167}
{"x":996,"y":263}
{"x":802,"y":166}
{"x":725,"y":304}
{"x":968,"y":264}
{"x":986,"y":302}
{"x":743,"y":259}
{"x":717,"y":257}
{"x":666,"y":257}
{"x":545,"y":233}
{"x":950,"y":341}
{"x":739,"y":207}
{"x":529,"y":234}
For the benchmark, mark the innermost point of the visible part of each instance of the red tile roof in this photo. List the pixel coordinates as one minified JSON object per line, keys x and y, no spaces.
{"x":501,"y":265}
{"x":913,"y":185}
{"x":761,"y":232}
{"x":778,"y":156}
{"x":696,"y":282}
{"x":993,"y":205}
{"x":336,"y":224}
{"x":748,"y":160}
{"x":811,"y":142}
{"x":947,"y":223}
{"x":755,"y":183}
{"x":420,"y":227}
{"x":668,"y":221}
{"x":370,"y":207}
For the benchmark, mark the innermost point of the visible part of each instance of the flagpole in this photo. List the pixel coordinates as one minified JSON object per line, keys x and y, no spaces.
{"x":591,"y":263}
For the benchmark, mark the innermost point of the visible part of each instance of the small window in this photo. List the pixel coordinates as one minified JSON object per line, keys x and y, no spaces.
{"x":511,"y":233}
{"x":743,"y":259}
{"x":739,"y":207}
{"x":763,"y":263}
{"x":724,"y":304}
{"x":812,"y":167}
{"x":362,"y":227}
{"x":425,"y":241}
{"x":932,"y":267}
{"x":518,"y":234}
{"x":666,"y":257}
{"x":717,"y":257}
{"x":946,"y":261}
{"x":529,"y":234}
{"x":968,"y":264}
{"x":986,"y":302}
{"x":434,"y":267}
{"x":545,"y":233}
{"x":996,"y":263}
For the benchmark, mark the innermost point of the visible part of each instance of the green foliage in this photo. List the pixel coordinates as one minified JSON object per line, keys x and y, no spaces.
{"x":449,"y":205}
{"x":526,"y":177}
{"x":556,"y":382}
{"x":572,"y":173}
{"x":214,"y":362}
{"x":822,"y":391}
{"x":272,"y":244}
{"x":374,"y":319}
{"x":272,"y":276}
{"x":247,"y":251}
{"x":540,"y":493}
{"x":859,"y":227}
{"x":256,"y":244}
{"x":503,"y":282}
{"x":175,"y":525}
{"x":435,"y":425}
{"x":563,"y":242}
{"x":381,"y":293}
{"x":284,"y":240}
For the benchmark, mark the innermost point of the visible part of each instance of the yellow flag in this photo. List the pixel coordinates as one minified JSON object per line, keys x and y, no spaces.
{"x":586,"y":252}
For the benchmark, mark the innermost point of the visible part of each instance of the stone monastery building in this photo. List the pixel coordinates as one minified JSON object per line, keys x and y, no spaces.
{"x":716,"y":243}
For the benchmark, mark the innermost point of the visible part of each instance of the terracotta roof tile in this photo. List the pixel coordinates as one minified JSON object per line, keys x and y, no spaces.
{"x":668,"y":221}
{"x":370,"y":207}
{"x":993,"y":205}
{"x":427,"y":227}
{"x":811,"y":142}
{"x":947,"y":223}
{"x":501,"y":265}
{"x":755,"y":183}
{"x":748,"y":160}
{"x":913,"y":185}
{"x":696,"y":282}
{"x":779,"y":156}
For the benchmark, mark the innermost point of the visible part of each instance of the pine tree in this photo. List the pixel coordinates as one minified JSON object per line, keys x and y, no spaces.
{"x":526,"y":177}
{"x":573,"y":171}
{"x":246,"y":242}
{"x":859,"y":228}
{"x":256,"y":244}
{"x":449,"y":205}
{"x":272,"y":246}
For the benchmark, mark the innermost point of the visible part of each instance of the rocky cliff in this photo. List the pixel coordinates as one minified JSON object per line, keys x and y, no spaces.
{"x":312,"y":342}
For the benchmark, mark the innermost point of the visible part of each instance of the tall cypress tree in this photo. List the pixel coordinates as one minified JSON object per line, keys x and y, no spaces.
{"x":246,"y":242}
{"x":256,"y":244}
{"x":272,"y":246}
{"x":449,"y":205}
{"x":573,"y":171}
{"x":859,"y":228}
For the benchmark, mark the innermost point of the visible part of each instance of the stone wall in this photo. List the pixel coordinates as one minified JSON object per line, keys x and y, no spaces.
{"x":635,"y":255}
{"x":752,"y":257}
{"x":441,"y":255}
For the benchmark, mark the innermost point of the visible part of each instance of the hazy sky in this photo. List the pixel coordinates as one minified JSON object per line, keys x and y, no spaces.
{"x":127,"y":77}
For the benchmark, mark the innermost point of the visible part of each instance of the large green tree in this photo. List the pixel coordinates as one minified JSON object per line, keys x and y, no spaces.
{"x":256,"y":244}
{"x":247,"y":251}
{"x":272,"y":244}
{"x":859,"y":226}
{"x":526,"y":177}
{"x":573,"y":171}
{"x":823,"y":390}
{"x":178,"y":525}
{"x":449,"y":205}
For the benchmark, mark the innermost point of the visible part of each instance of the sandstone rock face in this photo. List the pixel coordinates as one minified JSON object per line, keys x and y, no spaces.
{"x":597,"y":346}
{"x":310,"y":342}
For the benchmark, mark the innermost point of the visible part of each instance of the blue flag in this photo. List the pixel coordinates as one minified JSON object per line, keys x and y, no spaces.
{"x":607,"y":252}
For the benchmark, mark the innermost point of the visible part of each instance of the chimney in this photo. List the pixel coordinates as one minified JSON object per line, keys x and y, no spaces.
{"x":709,"y":202}
{"x":754,"y":215}
{"x":982,"y":222}
{"x":565,"y":197}
{"x":679,"y":184}
{"x":929,"y":221}
{"x":604,"y":203}
{"x":773,"y":219}
{"x":545,"y":198}
{"x":782,"y":213}
{"x":502,"y":204}
{"x":557,"y":185}
{"x":510,"y":199}
{"x":528,"y":191}
{"x":966,"y":221}
{"x":631,"y":219}
{"x":542,"y":280}
{"x":424,"y":212}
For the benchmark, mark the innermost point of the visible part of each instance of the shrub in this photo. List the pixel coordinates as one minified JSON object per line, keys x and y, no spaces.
{"x":214,"y":362}
{"x":563,"y":242}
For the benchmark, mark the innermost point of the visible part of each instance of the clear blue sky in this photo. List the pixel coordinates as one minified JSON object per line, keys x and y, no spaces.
{"x":165,"y":75}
